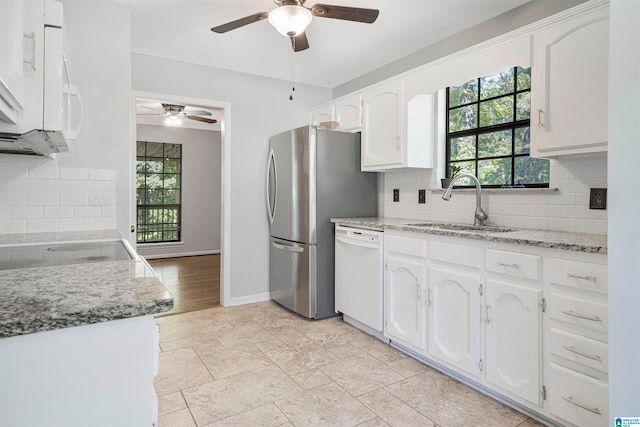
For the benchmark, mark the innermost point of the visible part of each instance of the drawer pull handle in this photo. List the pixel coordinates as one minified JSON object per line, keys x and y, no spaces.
{"x":502,"y":264}
{"x":583,"y":316}
{"x":582,"y":353}
{"x":591,"y":279}
{"x":580,"y":405}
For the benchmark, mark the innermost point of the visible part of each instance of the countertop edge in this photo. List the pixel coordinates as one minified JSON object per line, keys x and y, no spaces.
{"x":576,"y":242}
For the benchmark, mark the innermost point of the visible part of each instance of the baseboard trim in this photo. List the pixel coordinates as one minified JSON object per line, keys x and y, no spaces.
{"x":177,"y":255}
{"x":248,"y":299}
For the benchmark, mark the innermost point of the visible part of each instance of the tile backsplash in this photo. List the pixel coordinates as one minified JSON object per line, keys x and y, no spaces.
{"x":566,"y":209}
{"x":36,"y":195}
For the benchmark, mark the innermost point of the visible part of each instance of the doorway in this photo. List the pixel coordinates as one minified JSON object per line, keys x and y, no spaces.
{"x":192,"y":266}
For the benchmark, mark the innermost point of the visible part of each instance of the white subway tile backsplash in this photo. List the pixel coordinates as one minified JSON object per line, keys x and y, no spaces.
{"x":72,"y":224}
{"x":36,"y":195}
{"x":43,"y":199}
{"x":74,"y":174}
{"x":13,"y":226}
{"x":563,"y":210}
{"x":102,"y":174}
{"x":40,"y":225}
{"x":74,"y":199}
{"x":87,"y":211}
{"x":58,"y":212}
{"x":26,"y":212}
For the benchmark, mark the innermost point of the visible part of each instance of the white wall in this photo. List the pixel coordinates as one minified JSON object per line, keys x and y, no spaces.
{"x":624,"y":212}
{"x":201,"y":196}
{"x":87,"y":188}
{"x":259,"y":108}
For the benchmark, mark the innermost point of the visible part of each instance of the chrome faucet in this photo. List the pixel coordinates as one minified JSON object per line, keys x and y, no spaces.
{"x":480,"y":215}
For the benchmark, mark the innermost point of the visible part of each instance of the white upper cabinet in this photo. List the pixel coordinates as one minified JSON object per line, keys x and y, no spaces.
{"x":382,"y":146}
{"x":569,"y":90}
{"x":324,"y":113}
{"x":12,"y":15}
{"x":348,"y":113}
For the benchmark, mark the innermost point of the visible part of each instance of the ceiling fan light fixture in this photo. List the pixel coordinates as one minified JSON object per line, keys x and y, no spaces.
{"x":173,"y":121}
{"x":290,"y":20}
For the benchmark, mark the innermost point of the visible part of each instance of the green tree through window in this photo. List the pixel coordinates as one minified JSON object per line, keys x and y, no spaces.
{"x":158,"y":191}
{"x":488,"y":131}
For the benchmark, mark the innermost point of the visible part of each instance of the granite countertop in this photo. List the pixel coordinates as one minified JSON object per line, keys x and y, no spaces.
{"x":579,"y":242}
{"x":48,"y":298}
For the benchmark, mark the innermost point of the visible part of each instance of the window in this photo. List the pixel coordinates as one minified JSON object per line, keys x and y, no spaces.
{"x":158,"y":184}
{"x":488,"y":131}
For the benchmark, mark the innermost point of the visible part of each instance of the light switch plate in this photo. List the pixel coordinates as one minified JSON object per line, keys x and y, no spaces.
{"x":598,"y":198}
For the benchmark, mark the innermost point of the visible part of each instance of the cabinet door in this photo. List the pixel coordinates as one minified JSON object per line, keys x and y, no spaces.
{"x":570,"y":86}
{"x":454,"y":318}
{"x":512,"y":321}
{"x":381,"y":134}
{"x":12,"y":14}
{"x":348,"y":113}
{"x":404,"y":301}
{"x":322,"y":114}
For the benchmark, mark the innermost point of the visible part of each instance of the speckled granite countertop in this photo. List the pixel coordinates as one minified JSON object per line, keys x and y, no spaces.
{"x":580,"y":242}
{"x":47,"y":298}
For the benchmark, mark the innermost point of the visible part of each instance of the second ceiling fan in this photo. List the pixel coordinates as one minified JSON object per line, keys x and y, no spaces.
{"x":291,"y":18}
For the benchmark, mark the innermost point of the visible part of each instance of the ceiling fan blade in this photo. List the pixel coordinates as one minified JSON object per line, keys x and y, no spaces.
{"x":240,"y":22}
{"x":299,"y":42}
{"x":202,"y":119}
{"x":367,"y":16}
{"x":198,"y":112}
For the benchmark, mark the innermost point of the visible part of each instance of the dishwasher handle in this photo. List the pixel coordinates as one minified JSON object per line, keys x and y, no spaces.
{"x":357,"y":242}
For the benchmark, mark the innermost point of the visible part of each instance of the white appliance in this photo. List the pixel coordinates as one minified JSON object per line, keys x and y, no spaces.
{"x":359,"y":270}
{"x":51,"y":112}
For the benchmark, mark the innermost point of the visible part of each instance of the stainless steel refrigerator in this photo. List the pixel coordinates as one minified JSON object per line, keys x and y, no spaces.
{"x":313,"y":175}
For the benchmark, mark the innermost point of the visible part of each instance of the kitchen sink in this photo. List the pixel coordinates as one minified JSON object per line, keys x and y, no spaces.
{"x":461,"y":227}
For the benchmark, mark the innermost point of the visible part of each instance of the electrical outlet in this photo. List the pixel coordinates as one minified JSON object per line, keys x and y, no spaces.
{"x":598,"y":198}
{"x":422,"y":196}
{"x":396,"y":194}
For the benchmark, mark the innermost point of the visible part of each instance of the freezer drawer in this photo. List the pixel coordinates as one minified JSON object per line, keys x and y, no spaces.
{"x":292,"y":281}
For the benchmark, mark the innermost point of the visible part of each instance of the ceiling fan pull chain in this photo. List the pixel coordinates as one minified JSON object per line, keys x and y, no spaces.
{"x":293,"y":69}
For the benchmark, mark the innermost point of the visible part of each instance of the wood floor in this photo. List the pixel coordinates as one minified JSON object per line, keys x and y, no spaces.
{"x":194,"y":281}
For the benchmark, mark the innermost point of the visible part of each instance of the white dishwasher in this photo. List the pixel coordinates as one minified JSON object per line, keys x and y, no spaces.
{"x":359,"y":273}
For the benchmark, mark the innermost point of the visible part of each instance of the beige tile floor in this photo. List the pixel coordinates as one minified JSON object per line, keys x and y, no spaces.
{"x":260,"y":365}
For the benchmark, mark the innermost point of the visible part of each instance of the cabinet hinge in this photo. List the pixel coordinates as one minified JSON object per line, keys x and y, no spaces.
{"x":480,"y":365}
{"x":480,"y":289}
{"x":543,"y":305}
{"x":544,"y":392}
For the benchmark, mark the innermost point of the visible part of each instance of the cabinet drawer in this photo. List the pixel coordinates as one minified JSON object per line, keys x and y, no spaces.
{"x":577,"y":398}
{"x":514,"y":264}
{"x":579,"y":349}
{"x":575,"y":274}
{"x":469,"y":256}
{"x":405,"y":245}
{"x":587,"y":314}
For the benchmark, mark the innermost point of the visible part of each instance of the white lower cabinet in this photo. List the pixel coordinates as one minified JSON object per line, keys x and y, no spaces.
{"x":512,"y":338}
{"x":454,"y":311}
{"x":527,"y":324}
{"x":404,"y":291}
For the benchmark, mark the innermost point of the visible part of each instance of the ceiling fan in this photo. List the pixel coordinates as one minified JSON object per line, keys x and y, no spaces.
{"x":175,"y":112}
{"x":291,"y":18}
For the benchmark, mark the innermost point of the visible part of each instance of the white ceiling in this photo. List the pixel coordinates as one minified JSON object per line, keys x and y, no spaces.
{"x":339,"y":50}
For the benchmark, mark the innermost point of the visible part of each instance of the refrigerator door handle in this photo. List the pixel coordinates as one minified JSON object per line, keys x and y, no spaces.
{"x":287,"y":248}
{"x":271,"y":210}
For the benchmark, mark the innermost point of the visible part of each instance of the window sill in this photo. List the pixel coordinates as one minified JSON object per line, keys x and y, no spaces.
{"x":160,"y":245}
{"x":498,"y":190}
